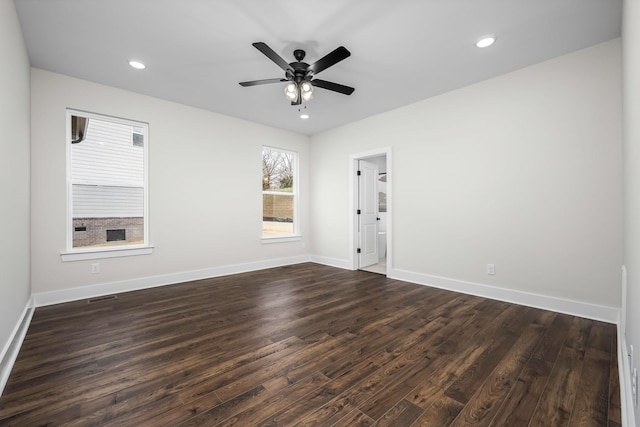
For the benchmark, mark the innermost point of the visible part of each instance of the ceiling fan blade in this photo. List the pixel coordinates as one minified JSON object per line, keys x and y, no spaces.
{"x":336,"y":87}
{"x":261,"y":82}
{"x":330,"y":59}
{"x":269,"y":53}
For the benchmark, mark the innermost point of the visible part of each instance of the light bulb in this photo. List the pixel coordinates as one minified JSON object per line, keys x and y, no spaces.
{"x":306,"y":89}
{"x":291,"y":91}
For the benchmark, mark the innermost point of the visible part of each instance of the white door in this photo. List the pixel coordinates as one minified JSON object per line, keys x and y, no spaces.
{"x":367,"y":212}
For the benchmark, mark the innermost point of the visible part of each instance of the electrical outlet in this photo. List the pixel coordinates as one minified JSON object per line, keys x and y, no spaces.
{"x":491,"y":269}
{"x":95,"y":268}
{"x":634,"y":387}
{"x":632,"y":360}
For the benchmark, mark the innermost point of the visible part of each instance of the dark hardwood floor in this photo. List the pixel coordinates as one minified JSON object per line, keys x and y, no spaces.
{"x":310,"y":345}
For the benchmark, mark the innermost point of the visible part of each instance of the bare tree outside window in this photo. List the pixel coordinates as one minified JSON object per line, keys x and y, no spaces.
{"x":277,"y":170}
{"x":278,"y":192}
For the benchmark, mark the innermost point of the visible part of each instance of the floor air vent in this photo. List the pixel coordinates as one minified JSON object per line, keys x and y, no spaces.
{"x":103,"y":298}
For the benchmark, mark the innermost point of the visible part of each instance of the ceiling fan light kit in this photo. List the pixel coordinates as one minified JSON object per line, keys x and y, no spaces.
{"x":300,"y":75}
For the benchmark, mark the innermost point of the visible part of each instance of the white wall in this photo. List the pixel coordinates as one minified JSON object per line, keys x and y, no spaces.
{"x":631,"y":130}
{"x":14,"y":172}
{"x":204,"y":182}
{"x":522,"y":171}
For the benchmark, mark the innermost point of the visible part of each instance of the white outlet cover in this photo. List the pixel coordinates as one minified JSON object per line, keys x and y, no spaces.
{"x":634,"y":386}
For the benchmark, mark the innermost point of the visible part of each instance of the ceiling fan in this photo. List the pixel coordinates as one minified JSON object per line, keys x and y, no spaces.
{"x":300,"y":75}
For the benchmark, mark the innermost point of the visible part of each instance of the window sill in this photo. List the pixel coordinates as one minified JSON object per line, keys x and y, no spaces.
{"x":80,"y":255}
{"x":284,"y":239}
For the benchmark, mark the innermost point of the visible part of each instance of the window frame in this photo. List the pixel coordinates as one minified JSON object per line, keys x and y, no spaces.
{"x":295,"y":236}
{"x":84,"y":253}
{"x":134,"y":132}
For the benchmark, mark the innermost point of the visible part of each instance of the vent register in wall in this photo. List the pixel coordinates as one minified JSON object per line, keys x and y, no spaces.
{"x":102,"y":299}
{"x":116,"y":235}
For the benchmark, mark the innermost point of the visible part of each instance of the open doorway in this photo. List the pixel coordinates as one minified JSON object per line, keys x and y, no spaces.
{"x":371,"y":201}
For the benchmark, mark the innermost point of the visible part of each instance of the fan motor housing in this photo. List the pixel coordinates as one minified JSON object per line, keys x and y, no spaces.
{"x":300,"y":71}
{"x":299,"y":54}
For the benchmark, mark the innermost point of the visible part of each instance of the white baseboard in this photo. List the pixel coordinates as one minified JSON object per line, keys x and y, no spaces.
{"x":12,"y":346}
{"x":75,"y":294}
{"x":624,"y":368}
{"x":331,"y":262}
{"x":574,"y":308}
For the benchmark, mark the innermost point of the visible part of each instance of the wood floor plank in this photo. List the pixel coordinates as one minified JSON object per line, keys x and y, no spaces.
{"x":328,"y":391}
{"x":287,"y":397}
{"x":554,"y":339}
{"x":200,"y":413}
{"x":240,"y":380}
{"x":441,"y":412}
{"x":558,"y":398}
{"x":517,"y":409}
{"x":615,"y":414}
{"x":487,"y":399}
{"x":310,"y":344}
{"x":403,"y":413}
{"x":355,"y":419}
{"x":460,"y":352}
{"x":148,"y":372}
{"x":393,"y":342}
{"x":442,"y":353}
{"x":393,"y":380}
{"x":410,"y":359}
{"x":591,"y":407}
{"x":466,"y":385}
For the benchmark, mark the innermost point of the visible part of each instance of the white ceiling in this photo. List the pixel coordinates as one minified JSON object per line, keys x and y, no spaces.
{"x":402,"y":51}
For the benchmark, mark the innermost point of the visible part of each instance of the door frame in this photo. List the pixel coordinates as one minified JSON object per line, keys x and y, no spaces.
{"x":353,"y":202}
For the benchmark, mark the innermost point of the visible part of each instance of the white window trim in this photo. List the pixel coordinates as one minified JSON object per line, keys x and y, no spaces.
{"x":296,"y":236}
{"x":78,"y":254}
{"x":281,"y":239}
{"x":115,"y":252}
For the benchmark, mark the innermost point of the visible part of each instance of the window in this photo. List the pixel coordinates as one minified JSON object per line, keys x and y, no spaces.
{"x":137,"y":136}
{"x":279,"y":193}
{"x":107,"y":191}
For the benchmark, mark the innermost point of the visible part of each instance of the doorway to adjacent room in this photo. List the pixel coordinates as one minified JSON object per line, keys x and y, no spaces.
{"x":371,"y":211}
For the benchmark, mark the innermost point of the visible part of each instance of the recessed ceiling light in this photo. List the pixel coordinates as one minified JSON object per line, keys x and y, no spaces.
{"x":137,"y":65}
{"x":304,"y":116}
{"x":486,"y":41}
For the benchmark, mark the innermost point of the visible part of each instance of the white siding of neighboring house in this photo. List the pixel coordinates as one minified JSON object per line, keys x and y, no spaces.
{"x":107,"y":202}
{"x":107,"y":172}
